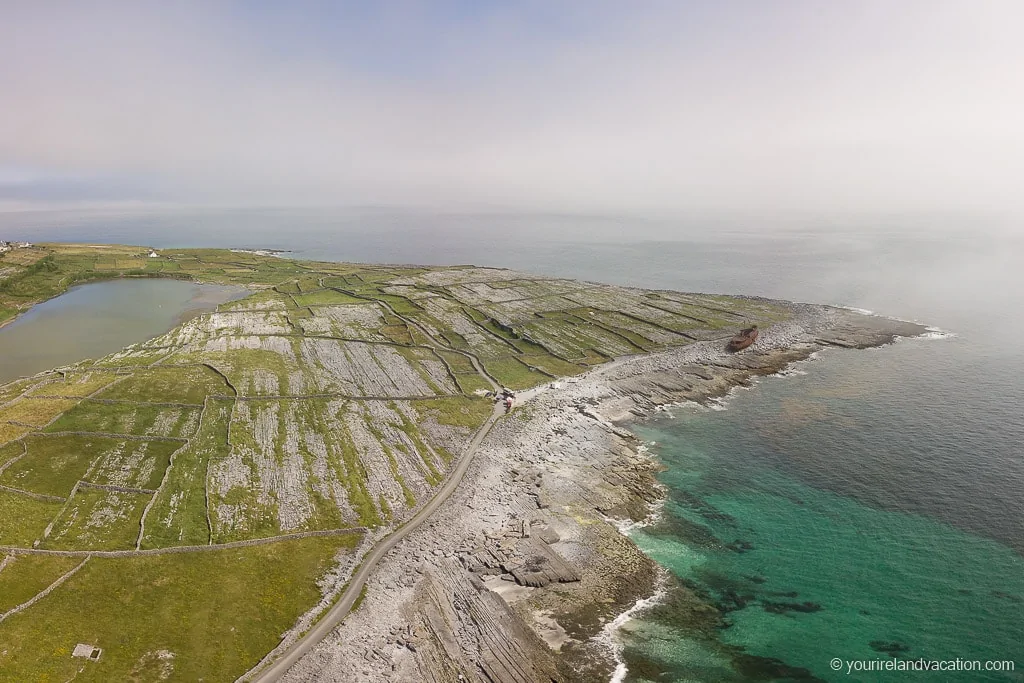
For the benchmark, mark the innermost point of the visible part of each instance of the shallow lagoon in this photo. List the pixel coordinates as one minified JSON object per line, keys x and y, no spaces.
{"x":93,"y":320}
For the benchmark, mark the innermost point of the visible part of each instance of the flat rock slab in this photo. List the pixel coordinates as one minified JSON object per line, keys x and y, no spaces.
{"x":542,"y":566}
{"x":859,"y":331}
{"x":87,"y":651}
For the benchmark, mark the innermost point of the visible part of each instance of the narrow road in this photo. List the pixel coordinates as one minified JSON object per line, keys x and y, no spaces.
{"x":275,"y":670}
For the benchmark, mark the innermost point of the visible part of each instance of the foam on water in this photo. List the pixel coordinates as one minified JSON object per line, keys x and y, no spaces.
{"x":609,"y":633}
{"x":655,"y":511}
{"x":936,"y":333}
{"x":862,"y":311}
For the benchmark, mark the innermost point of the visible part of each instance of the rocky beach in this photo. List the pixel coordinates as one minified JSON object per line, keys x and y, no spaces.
{"x":519,"y":574}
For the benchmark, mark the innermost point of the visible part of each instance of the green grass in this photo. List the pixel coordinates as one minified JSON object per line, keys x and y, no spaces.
{"x":7,"y":312}
{"x":327,"y":297}
{"x":240,"y":366}
{"x":359,"y":599}
{"x":327,"y":419}
{"x":553,"y":365}
{"x":26,"y":575}
{"x":97,"y":519}
{"x":458,"y":411}
{"x":267,"y":299}
{"x":128,"y":418}
{"x":219,"y":612}
{"x":169,"y":385}
{"x":343,"y":459}
{"x":139,"y":464}
{"x":251,"y":518}
{"x":178,"y":516}
{"x":400,"y":304}
{"x":353,"y":476}
{"x":133,"y":356}
{"x":397,"y":333}
{"x":457,"y":361}
{"x":512,"y":373}
{"x":309,"y":283}
{"x":410,"y":499}
{"x":10,"y":433}
{"x":35,"y":411}
{"x":9,"y":392}
{"x":34,"y":280}
{"x":471,"y":381}
{"x":573,"y":338}
{"x":75,"y":385}
{"x":23,"y":519}
{"x":53,"y":464}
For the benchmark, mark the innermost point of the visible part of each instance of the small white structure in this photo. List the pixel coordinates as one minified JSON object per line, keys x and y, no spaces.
{"x":153,"y":254}
{"x":87,"y":651}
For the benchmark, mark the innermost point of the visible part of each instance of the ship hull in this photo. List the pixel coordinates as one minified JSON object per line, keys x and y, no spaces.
{"x":739,"y":345}
{"x":743,"y":339}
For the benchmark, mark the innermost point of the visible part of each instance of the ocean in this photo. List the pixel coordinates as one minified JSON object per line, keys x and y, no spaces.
{"x":863,"y":507}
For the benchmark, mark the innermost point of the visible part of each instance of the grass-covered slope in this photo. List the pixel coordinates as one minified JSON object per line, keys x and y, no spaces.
{"x":333,"y":399}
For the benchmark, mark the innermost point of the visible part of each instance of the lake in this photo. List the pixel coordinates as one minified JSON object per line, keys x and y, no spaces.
{"x":93,"y":320}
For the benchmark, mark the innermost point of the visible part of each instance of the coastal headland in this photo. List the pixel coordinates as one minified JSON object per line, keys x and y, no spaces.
{"x":212,"y":502}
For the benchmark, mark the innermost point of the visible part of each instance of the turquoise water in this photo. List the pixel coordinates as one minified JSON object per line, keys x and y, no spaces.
{"x":93,"y":320}
{"x":809,"y":551}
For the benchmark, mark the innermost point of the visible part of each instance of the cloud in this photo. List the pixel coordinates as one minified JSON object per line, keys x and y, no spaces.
{"x":640,"y":107}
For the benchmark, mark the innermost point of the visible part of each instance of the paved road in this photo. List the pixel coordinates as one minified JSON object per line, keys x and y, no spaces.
{"x":340,"y":610}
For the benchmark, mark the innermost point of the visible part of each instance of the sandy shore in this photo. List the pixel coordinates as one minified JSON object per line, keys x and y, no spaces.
{"x":520,"y":573}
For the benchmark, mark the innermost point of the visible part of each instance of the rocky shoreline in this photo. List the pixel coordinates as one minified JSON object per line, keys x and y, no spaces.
{"x":520,"y":570}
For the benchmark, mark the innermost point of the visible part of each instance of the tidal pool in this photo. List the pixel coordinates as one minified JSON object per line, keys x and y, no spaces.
{"x":93,"y":320}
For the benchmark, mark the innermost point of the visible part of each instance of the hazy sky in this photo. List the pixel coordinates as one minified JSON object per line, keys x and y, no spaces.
{"x":652,"y":107}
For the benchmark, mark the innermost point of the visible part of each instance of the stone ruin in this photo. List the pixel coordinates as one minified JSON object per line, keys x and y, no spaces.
{"x":87,"y":651}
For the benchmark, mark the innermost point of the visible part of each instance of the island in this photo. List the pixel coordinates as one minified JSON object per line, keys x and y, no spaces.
{"x":316,"y":481}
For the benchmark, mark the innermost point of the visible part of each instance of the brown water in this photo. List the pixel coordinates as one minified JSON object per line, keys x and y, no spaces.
{"x":96,"y":319}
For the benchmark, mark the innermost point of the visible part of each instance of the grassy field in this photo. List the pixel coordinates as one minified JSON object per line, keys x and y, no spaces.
{"x":98,"y":519}
{"x":332,"y":397}
{"x":52,"y":464}
{"x":210,"y":615}
{"x":35,"y":411}
{"x":75,"y":385}
{"x":179,"y":514}
{"x":26,"y":575}
{"x":129,"y":418}
{"x":9,"y":432}
{"x":169,"y":385}
{"x":23,"y":519}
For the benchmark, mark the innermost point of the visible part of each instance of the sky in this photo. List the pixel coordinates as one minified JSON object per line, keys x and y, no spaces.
{"x":647,"y":107}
